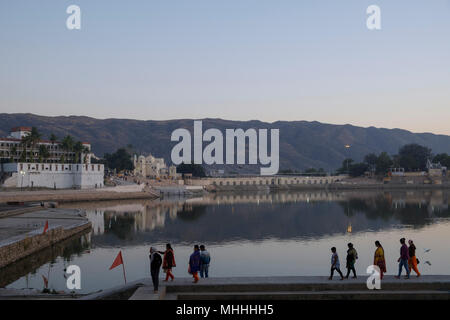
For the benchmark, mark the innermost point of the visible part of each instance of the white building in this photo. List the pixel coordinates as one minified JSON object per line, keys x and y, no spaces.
{"x":53,"y":175}
{"x":26,"y":166}
{"x":151,"y":167}
{"x":12,"y":149}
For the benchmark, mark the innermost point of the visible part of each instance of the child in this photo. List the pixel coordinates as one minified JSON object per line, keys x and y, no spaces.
{"x":335,"y":265}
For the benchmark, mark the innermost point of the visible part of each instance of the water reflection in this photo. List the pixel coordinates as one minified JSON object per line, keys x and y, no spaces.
{"x":296,"y":228}
{"x":222,"y":218}
{"x":66,"y":251}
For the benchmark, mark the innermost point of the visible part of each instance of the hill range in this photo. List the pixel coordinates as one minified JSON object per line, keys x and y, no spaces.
{"x":303,"y":144}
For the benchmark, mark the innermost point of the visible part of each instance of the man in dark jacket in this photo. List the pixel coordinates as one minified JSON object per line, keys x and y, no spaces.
{"x":155,"y":265}
{"x":194,"y":263}
{"x":403,"y":260}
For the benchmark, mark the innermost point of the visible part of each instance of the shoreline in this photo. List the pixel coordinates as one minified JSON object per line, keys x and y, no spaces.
{"x":72,"y":195}
{"x":329,"y":187}
{"x":21,"y":238}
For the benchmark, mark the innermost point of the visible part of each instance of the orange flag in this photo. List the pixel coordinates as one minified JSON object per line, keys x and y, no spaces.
{"x":118,"y":261}
{"x":45,"y":227}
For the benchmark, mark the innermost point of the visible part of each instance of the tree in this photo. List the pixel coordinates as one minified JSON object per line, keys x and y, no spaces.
{"x":78,"y":149}
{"x":371,"y":160}
{"x":443,"y":159}
{"x":13,"y":153}
{"x":345,"y":166}
{"x":67,"y":145}
{"x":358,"y":169}
{"x":25,"y":142}
{"x":53,"y":138}
{"x":195,"y":169}
{"x":384,"y":162}
{"x":119,"y":160}
{"x":32,"y":139}
{"x":44,"y":154}
{"x":414,"y":157}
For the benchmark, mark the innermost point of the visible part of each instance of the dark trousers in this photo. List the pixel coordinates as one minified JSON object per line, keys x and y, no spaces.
{"x":338,"y":271}
{"x":155,"y":278}
{"x":351,"y":269}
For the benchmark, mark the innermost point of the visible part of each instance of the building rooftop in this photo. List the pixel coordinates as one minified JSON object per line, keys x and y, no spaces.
{"x":15,"y":129}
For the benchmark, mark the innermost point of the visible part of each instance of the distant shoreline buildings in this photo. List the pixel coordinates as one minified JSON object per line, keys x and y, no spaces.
{"x":153,"y":168}
{"x":27,"y":161}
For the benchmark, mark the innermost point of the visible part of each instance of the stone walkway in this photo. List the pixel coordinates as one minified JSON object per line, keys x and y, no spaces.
{"x":311,"y":288}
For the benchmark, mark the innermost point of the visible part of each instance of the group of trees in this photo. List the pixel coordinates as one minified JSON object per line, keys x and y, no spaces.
{"x":411,"y":157}
{"x":310,"y":172}
{"x":195,"y":169}
{"x":119,"y":160}
{"x":30,"y":152}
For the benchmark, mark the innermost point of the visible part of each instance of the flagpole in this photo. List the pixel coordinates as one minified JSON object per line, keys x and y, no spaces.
{"x":123,"y":267}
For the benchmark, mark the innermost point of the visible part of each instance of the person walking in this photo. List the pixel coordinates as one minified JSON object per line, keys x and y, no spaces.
{"x":352,"y":255}
{"x":378,"y":259}
{"x":169,"y":262}
{"x":194,"y":263}
{"x":335,"y":265}
{"x":412,"y":262}
{"x":155,"y":265}
{"x":205,"y":259}
{"x":403,"y":259}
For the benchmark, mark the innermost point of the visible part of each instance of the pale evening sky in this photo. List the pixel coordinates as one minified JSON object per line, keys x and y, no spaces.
{"x":233,"y":59}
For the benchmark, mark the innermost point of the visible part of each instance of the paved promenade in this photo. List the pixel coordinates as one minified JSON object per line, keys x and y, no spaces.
{"x":75,"y":195}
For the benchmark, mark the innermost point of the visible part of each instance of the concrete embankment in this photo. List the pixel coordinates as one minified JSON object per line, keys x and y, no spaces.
{"x":22,"y":235}
{"x":298,"y":288}
{"x":113,"y":193}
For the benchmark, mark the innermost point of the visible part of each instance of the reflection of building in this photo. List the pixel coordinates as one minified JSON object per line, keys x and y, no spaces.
{"x":151,"y":167}
{"x":96,"y":217}
{"x":145,"y":218}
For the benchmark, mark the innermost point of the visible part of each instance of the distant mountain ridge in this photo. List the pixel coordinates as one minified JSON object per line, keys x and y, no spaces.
{"x":303,"y":144}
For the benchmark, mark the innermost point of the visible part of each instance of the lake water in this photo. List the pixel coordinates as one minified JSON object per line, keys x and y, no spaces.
{"x":247,"y":234}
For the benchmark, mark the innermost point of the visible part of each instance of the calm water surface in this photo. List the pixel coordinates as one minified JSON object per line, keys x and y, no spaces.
{"x":247,"y":235}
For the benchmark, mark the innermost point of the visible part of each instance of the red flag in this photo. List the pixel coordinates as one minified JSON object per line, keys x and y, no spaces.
{"x":118,"y":261}
{"x":45,"y":281}
{"x":45,"y":227}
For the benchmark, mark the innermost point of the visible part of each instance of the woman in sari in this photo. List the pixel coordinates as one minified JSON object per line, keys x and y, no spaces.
{"x":379,"y":258}
{"x":169,"y":262}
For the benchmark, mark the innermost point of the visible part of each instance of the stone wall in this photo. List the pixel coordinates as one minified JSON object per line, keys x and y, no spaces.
{"x":33,"y":242}
{"x":264,"y":182}
{"x":56,"y":175}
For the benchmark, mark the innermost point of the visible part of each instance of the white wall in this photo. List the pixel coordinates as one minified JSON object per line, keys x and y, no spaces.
{"x":55,"y":175}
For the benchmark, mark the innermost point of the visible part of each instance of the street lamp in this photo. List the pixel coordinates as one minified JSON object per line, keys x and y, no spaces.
{"x":22,"y":173}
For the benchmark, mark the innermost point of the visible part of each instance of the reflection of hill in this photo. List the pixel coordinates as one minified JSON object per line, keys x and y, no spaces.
{"x":282,"y":216}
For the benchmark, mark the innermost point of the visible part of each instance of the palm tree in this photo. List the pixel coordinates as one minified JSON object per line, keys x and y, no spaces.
{"x":13,"y":153}
{"x":53,"y":138}
{"x":78,"y":149}
{"x":26,"y":141}
{"x":67,"y":145}
{"x":34,"y":138}
{"x":43,"y":153}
